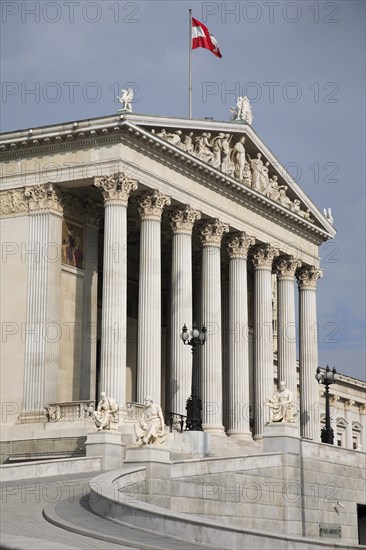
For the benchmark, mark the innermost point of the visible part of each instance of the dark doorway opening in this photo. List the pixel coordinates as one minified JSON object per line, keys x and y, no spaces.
{"x":361,"y":522}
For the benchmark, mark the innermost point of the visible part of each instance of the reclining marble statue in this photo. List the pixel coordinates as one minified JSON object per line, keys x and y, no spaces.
{"x":282,"y":406}
{"x":106,"y":413}
{"x":150,"y":429}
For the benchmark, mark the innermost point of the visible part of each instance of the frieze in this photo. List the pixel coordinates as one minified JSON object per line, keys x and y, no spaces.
{"x":13,"y":202}
{"x":221,"y":152}
{"x":44,"y":198}
{"x":29,"y":200}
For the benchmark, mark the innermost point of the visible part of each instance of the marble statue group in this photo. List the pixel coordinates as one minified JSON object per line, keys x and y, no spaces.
{"x":221,"y":152}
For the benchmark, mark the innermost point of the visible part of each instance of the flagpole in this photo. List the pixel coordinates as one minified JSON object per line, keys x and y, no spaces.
{"x":190,"y":64}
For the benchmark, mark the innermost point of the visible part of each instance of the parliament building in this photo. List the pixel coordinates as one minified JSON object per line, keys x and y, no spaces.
{"x":117,"y":231}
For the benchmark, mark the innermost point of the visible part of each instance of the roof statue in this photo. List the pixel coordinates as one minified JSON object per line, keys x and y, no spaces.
{"x":125,"y":99}
{"x":328,"y":215}
{"x":242,"y":112}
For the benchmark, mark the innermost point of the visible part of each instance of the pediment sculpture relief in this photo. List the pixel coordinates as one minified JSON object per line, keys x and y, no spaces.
{"x":227,"y":153}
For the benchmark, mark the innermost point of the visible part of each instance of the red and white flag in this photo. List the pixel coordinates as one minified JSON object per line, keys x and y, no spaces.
{"x":202,"y":38}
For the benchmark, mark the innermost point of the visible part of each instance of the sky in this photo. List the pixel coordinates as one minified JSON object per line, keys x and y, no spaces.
{"x":301,"y":63}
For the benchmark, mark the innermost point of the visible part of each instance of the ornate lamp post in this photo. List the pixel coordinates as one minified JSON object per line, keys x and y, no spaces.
{"x":194,"y":402}
{"x":327,"y":378}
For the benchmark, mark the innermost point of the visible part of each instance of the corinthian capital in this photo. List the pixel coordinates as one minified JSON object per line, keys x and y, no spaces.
{"x":44,"y":198}
{"x":212,"y":232}
{"x":286,"y":267}
{"x":151,"y":204}
{"x":182,"y":219}
{"x":238,"y":244}
{"x":307,"y":276}
{"x":116,"y":188}
{"x":262,"y":256}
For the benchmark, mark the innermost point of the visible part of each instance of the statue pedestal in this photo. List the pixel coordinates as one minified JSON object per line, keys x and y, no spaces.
{"x":281,"y":437}
{"x":146,"y":454}
{"x":108,"y":445}
{"x":156,"y":459}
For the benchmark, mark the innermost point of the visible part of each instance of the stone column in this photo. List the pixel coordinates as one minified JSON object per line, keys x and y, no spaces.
{"x":211,"y":235}
{"x":362,"y":413}
{"x":262,"y":256}
{"x":309,"y":398}
{"x":182,"y":219}
{"x":88,"y":371}
{"x":116,"y":190}
{"x":197,"y":316}
{"x":151,"y":204}
{"x":333,"y":415}
{"x":348,"y":418}
{"x":238,"y":398}
{"x":225,"y":337}
{"x":286,"y":322}
{"x":43,"y":329}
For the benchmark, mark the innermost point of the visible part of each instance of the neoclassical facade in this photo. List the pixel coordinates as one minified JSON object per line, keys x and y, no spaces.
{"x":117,"y":231}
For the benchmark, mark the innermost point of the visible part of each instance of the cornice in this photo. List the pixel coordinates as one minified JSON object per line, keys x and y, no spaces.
{"x":116,"y":128}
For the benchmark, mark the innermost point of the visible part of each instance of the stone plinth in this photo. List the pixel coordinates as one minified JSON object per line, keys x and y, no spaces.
{"x":158,"y":474}
{"x":281,"y":437}
{"x":148,"y":453}
{"x":108,"y":445}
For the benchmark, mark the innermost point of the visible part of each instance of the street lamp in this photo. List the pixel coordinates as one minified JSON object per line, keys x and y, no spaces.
{"x":327,"y":378}
{"x":194,"y":402}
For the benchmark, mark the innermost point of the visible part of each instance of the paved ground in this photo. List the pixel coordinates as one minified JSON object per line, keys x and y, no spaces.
{"x":64,"y":498}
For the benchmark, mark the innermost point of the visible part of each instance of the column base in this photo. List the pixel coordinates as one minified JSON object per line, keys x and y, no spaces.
{"x":242,"y":436}
{"x":31,"y":417}
{"x":108,"y":445}
{"x":214,"y":429}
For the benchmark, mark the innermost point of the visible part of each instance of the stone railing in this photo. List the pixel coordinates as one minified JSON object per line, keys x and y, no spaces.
{"x":132,"y":411}
{"x":70,"y":411}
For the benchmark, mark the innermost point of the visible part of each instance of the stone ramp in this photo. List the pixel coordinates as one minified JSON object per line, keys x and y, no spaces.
{"x":77,"y":517}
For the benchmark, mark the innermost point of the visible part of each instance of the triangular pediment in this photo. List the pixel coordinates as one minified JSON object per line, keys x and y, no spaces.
{"x":219,"y":146}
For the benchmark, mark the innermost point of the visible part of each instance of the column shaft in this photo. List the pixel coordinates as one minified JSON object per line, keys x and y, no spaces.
{"x":309,"y":391}
{"x":149,"y":311}
{"x":43,"y":328}
{"x":114,"y":310}
{"x":211,"y":315}
{"x":149,"y":314}
{"x":286,"y":322}
{"x":263,"y":334}
{"x":43,"y":311}
{"x":90,"y":311}
{"x":116,"y":190}
{"x":238,"y":418}
{"x":182,"y":220}
{"x":348,"y":418}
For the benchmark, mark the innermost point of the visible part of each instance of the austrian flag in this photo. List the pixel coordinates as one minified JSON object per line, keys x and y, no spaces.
{"x":202,"y":38}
